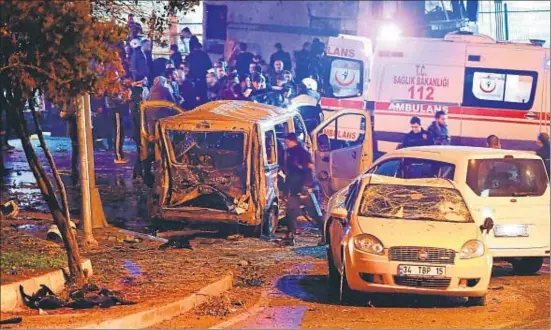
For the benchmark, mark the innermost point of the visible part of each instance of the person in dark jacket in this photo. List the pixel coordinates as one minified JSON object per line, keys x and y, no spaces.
{"x":199,"y":63}
{"x":243,"y":59}
{"x":159,"y":67}
{"x":302,"y":60}
{"x":115,"y":105}
{"x":175,"y":55}
{"x":138,"y":64}
{"x":147,"y":50}
{"x":417,"y":136}
{"x":282,"y":56}
{"x":186,"y":85}
{"x":213,"y":87}
{"x":543,"y":151}
{"x":439,"y":129}
{"x":188,"y":39}
{"x":299,"y":187}
{"x":69,"y":114}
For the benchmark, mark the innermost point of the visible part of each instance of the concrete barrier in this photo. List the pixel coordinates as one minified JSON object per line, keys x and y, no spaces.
{"x":10,"y":297}
{"x":158,"y":314}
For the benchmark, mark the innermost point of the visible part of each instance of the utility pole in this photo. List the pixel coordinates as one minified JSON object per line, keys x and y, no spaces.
{"x":86,"y":211}
{"x":98,"y":216}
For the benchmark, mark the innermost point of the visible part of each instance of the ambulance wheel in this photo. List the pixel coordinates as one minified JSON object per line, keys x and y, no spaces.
{"x":527,"y":266}
{"x":476,"y":301}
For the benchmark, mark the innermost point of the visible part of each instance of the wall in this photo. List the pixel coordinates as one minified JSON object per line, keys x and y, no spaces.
{"x":263,"y":23}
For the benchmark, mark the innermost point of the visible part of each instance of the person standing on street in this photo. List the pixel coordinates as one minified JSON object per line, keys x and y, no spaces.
{"x":282,"y":56}
{"x":439,"y":129}
{"x":115,"y":105}
{"x":300,"y":187}
{"x":417,"y":136}
{"x":543,"y":151}
{"x":243,"y":59}
{"x":302,"y":59}
{"x":69,"y":114}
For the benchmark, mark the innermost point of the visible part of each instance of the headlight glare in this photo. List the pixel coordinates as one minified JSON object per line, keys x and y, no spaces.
{"x":369,"y":243}
{"x":472,"y":249}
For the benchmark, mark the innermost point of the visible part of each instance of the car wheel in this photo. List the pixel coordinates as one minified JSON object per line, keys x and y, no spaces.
{"x":347,"y":295}
{"x":476,"y":301}
{"x":527,"y":266}
{"x":333,"y":277}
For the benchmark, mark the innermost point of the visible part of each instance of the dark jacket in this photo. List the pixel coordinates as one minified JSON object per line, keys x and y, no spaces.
{"x":159,"y":67}
{"x":439,"y":134}
{"x":411,"y":139}
{"x":302,"y":58}
{"x":299,"y":176}
{"x":199,"y":63}
{"x":138,"y":65}
{"x":189,"y":94}
{"x":176,"y":58}
{"x":242,"y":62}
{"x":283,"y":57}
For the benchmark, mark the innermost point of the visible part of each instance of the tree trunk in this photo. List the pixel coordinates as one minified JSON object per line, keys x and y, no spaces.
{"x":15,"y":111}
{"x":51,"y":162}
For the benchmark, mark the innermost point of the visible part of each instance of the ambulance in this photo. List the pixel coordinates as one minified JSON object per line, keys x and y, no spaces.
{"x":347,"y":64}
{"x":486,"y":87}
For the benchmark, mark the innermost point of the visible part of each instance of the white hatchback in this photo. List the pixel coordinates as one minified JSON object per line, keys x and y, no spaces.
{"x":510,"y":187}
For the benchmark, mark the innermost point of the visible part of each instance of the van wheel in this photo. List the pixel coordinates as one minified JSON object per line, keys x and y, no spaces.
{"x":271,"y":218}
{"x":527,"y":266}
{"x":476,"y":301}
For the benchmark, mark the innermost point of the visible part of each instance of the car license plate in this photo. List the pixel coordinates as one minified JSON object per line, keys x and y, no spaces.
{"x":416,"y":270}
{"x":511,"y":231}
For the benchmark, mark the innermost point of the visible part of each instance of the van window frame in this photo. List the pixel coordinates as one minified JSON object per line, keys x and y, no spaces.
{"x":469,"y":99}
{"x":268,"y":163}
{"x":327,"y":73}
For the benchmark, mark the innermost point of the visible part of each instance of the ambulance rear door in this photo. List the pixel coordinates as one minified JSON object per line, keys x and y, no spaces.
{"x":342,"y":148}
{"x":503,"y":94}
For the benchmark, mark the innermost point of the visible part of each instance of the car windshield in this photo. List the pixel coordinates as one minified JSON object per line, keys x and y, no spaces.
{"x":413,"y":203}
{"x":507,"y":177}
{"x":208,"y":149}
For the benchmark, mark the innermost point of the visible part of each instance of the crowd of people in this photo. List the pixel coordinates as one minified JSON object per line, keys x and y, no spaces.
{"x":193,"y":79}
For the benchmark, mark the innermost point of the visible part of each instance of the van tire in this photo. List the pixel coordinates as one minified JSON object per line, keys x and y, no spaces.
{"x":527,"y":266}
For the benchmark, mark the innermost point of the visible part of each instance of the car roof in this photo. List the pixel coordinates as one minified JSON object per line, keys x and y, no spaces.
{"x":240,"y":111}
{"x":452,"y":154}
{"x":425,"y":182}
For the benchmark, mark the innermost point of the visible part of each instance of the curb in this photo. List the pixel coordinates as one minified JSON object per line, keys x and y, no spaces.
{"x":10,"y":297}
{"x":166,"y":312}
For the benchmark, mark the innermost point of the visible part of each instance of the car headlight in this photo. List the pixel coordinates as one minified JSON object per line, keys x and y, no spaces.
{"x":472,"y":249}
{"x":369,"y":243}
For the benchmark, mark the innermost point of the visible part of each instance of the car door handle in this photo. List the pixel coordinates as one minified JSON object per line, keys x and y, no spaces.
{"x":325,"y":159}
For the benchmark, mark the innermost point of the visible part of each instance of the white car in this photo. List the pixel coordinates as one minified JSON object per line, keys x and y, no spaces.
{"x":391,"y":235}
{"x":510,"y":187}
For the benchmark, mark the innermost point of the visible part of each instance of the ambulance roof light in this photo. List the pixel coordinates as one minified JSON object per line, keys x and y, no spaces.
{"x":389,"y":32}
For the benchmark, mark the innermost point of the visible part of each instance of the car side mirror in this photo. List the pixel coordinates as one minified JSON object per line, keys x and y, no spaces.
{"x":339,"y":213}
{"x":487,"y":225}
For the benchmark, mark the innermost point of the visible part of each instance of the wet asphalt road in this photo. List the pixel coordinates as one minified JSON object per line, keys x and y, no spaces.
{"x":299,"y":299}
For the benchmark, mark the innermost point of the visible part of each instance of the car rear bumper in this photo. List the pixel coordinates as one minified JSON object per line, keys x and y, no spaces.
{"x":477,"y":270}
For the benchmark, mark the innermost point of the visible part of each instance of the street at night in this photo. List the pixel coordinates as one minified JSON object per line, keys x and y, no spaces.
{"x":275,"y":164}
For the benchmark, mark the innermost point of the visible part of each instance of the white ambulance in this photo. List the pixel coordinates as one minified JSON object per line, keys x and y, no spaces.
{"x":347,"y":65}
{"x":486,"y":87}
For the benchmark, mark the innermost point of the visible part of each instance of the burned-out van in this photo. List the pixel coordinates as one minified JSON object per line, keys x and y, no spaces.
{"x":221,"y":161}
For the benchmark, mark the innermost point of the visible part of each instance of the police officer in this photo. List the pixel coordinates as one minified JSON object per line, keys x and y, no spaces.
{"x":300,"y":187}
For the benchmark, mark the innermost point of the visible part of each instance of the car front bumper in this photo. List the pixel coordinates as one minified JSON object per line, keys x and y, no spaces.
{"x":387,"y":279}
